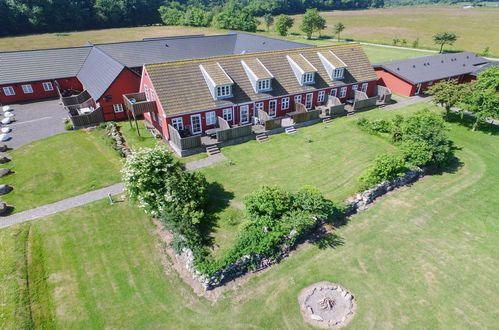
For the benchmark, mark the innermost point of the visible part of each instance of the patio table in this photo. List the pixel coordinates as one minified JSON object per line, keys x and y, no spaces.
{"x":212,"y":131}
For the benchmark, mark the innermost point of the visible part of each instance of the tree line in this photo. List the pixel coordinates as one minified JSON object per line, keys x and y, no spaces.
{"x":37,"y":16}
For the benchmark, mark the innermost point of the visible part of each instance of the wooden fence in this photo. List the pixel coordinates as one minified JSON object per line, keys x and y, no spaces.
{"x":141,"y":104}
{"x":234,"y":133}
{"x":267,"y":121}
{"x":299,"y":117}
{"x":95,"y":117}
{"x":384,"y":95}
{"x":183,"y":143}
{"x":75,"y":99}
{"x":365,"y":103}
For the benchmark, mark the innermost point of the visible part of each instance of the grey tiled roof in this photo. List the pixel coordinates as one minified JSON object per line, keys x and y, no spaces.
{"x":98,"y":72}
{"x":483,"y":67}
{"x":253,"y":43}
{"x":428,"y":68}
{"x":44,"y":64}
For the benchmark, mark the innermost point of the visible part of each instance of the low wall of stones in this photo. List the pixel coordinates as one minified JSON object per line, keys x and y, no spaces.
{"x":114,"y":132}
{"x":358,"y":202}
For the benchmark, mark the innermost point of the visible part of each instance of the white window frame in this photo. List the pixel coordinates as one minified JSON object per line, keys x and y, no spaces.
{"x":153,"y":116}
{"x":355,"y":87}
{"x":309,"y":100}
{"x":273,"y":108}
{"x":285,"y":103}
{"x":211,"y":118}
{"x":177,"y":123}
{"x":9,"y":91}
{"x":343,"y":92}
{"x":258,"y":106}
{"x":47,"y":86}
{"x":334,"y":92}
{"x":338,"y":73}
{"x":364,"y":87}
{"x":297,"y":98}
{"x":308,"y":78}
{"x":321,"y":97}
{"x":227,"y":114}
{"x":146,"y":91}
{"x":117,"y":108}
{"x":223,"y":91}
{"x":153,"y":96}
{"x":160,"y":121}
{"x":27,"y":89}
{"x":200,"y":124}
{"x":244,"y":108}
{"x":263,"y":85}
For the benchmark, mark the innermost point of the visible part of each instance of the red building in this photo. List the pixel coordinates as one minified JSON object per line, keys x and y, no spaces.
{"x":190,"y":95}
{"x":413,"y":76}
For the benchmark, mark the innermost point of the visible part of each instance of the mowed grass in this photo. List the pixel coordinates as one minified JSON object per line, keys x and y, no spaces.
{"x":58,"y":167}
{"x":477,"y":28}
{"x":421,"y":257}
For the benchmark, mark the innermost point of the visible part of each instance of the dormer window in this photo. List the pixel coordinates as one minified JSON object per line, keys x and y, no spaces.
{"x":308,"y":78}
{"x":263,"y":85}
{"x":223,"y":91}
{"x":338,"y":73}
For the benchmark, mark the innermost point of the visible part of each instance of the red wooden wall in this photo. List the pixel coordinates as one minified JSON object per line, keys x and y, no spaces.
{"x":38,"y":92}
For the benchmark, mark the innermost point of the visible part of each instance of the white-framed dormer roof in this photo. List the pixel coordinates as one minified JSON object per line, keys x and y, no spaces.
{"x":330,"y":58}
{"x":254,"y":67}
{"x":301,"y":63}
{"x":216,"y":74}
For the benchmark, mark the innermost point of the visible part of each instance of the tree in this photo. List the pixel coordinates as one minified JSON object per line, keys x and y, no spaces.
{"x":444,"y":38}
{"x":448,"y":94}
{"x":283,"y":24}
{"x":484,"y":104}
{"x":195,"y":16}
{"x":395,"y":41}
{"x":489,"y":79}
{"x":269,"y":20}
{"x":338,"y":28}
{"x":321,"y":24}
{"x":312,"y":22}
{"x":235,"y":18}
{"x":173,"y":14}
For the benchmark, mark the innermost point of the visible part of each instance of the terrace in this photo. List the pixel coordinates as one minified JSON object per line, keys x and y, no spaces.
{"x":82,"y":108}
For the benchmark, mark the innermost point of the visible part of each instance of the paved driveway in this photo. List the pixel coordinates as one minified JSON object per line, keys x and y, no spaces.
{"x":34,"y":121}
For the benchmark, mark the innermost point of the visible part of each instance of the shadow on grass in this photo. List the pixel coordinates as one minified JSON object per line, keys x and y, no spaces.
{"x":218,"y":200}
{"x":468,"y":122}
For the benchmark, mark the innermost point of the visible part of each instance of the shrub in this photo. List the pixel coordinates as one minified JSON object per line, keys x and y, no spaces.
{"x":416,"y":153}
{"x":311,"y":200}
{"x":68,"y":127}
{"x":375,"y":126}
{"x":385,"y":168}
{"x":268,"y":201}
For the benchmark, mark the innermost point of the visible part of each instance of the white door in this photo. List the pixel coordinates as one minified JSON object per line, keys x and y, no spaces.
{"x":196,"y":127}
{"x":244,"y":114}
{"x":272,"y":108}
{"x":364,"y":87}
{"x":418,"y":88}
{"x":308,"y":101}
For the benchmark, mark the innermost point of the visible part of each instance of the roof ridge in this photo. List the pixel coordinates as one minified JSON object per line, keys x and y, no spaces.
{"x":164,"y":38}
{"x":282,"y":51}
{"x":42,"y":49}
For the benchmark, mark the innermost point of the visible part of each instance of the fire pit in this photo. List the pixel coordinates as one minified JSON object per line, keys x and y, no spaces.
{"x":326,"y":305}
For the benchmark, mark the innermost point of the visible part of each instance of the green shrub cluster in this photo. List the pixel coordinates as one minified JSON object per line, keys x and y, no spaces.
{"x":275,"y":218}
{"x":421,"y":139}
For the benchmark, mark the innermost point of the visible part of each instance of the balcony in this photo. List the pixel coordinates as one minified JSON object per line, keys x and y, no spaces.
{"x":137,"y":104}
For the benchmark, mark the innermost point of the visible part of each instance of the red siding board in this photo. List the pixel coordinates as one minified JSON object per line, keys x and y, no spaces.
{"x":38,"y":91}
{"x":126,"y":82}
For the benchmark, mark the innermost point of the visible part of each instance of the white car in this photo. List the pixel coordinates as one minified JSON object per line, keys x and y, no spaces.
{"x":6,"y":120}
{"x":6,"y":108}
{"x":5,"y":129}
{"x":8,"y":114}
{"x":4,"y":137}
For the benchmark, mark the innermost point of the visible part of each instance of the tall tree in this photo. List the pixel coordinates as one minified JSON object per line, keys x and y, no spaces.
{"x":269,"y":20}
{"x":338,"y":28}
{"x":489,"y":79}
{"x":444,"y":38}
{"x":448,"y":94}
{"x":484,"y":104}
{"x":283,"y":24}
{"x":311,"y":22}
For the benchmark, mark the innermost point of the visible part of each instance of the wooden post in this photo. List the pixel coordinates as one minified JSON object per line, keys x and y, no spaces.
{"x":136,"y":124}
{"x":128,"y":115}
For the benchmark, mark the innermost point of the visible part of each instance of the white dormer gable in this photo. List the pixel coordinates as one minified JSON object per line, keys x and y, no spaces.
{"x":218,"y":81}
{"x":334,"y":66}
{"x":302,"y":68}
{"x":258,"y":75}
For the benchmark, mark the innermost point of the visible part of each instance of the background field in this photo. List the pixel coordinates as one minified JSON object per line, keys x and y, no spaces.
{"x":422,"y":257}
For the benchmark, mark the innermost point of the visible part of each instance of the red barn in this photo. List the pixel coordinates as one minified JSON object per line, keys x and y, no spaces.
{"x":413,"y":76}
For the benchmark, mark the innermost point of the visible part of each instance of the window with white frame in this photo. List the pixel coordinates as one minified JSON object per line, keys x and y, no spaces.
{"x":298,"y":99}
{"x":146,"y":91}
{"x":334,"y":92}
{"x":27,"y":89}
{"x":285,"y":103}
{"x":153,"y":115}
{"x":223,"y":91}
{"x":153,"y":95}
{"x":177,"y":123}
{"x":355,"y":87}
{"x":47,"y":86}
{"x":308,"y":77}
{"x":227,"y":114}
{"x":160,"y":121}
{"x":117,"y":108}
{"x":211,"y":118}
{"x":244,"y":109}
{"x":263,"y":85}
{"x":338,"y":73}
{"x":364,"y":87}
{"x":258,"y":106}
{"x":321,"y":96}
{"x":272,"y":108}
{"x":343,"y":92}
{"x":9,"y":91}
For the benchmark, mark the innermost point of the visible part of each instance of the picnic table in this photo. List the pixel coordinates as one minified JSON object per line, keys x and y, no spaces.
{"x":212,"y":131}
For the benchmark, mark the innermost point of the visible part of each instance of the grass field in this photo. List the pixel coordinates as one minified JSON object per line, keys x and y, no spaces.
{"x":59,"y":167}
{"x":422,"y":257}
{"x":477,"y":28}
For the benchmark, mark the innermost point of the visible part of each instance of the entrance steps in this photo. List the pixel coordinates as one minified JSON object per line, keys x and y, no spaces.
{"x":262,"y":137}
{"x":327,"y":120}
{"x":212,"y":150}
{"x":350,"y":113}
{"x":290,"y":130}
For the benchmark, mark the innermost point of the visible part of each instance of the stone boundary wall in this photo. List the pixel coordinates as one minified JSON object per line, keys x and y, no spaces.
{"x":113,"y":131}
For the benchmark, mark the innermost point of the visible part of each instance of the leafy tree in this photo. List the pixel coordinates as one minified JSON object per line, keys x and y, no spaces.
{"x":283,"y":24}
{"x":415,"y":153}
{"x":444,"y":38}
{"x":448,"y":94}
{"x":338,"y":28}
{"x":485,"y":51}
{"x":269,"y":20}
{"x":235,"y":18}
{"x":483,"y":104}
{"x":312,"y":22}
{"x":268,"y":201}
{"x":195,"y":16}
{"x":172,"y":15}
{"x":384,"y":168}
{"x":395,"y":41}
{"x":489,"y":79}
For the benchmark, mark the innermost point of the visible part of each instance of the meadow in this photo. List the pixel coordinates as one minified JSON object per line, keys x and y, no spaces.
{"x":421,"y":257}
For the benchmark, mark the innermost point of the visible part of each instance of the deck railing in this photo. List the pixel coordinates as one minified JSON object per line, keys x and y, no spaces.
{"x":183,"y":143}
{"x":137,"y":103}
{"x":93,"y":118}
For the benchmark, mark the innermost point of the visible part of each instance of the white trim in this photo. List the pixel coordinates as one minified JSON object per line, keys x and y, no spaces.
{"x":321,"y":96}
{"x":27,"y":89}
{"x":308,"y":63}
{"x":178,"y":123}
{"x":46,"y":84}
{"x":200,"y":124}
{"x":9,"y":91}
{"x":241,"y":108}
{"x":287,"y":103}
{"x":274,"y":102}
{"x":297,"y":98}
{"x":231,"y":114}
{"x":335,"y":92}
{"x":213,"y":116}
{"x":366,"y":85}
{"x":117,"y":108}
{"x":309,"y":97}
{"x":343,"y":92}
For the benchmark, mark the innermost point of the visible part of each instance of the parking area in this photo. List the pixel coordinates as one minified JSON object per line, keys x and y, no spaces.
{"x":34,"y":121}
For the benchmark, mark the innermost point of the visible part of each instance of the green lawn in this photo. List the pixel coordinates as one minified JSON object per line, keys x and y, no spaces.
{"x":58,"y":167}
{"x":422,"y":257}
